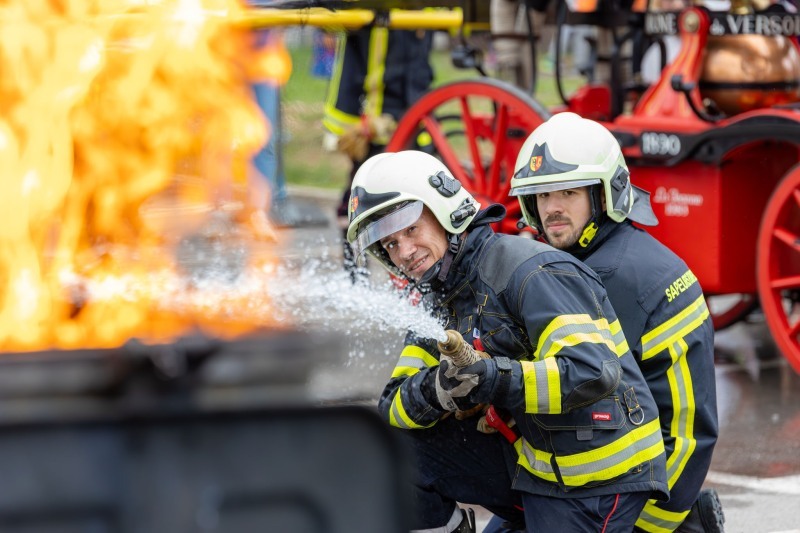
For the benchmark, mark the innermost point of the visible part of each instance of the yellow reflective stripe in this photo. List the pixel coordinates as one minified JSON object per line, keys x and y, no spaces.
{"x":542,"y":381}
{"x":655,"y":520}
{"x":614,"y":459}
{"x":537,"y":462}
{"x":570,"y":330}
{"x":376,"y":66}
{"x":660,"y":338}
{"x":601,"y":464}
{"x":337,"y":121}
{"x":336,"y":75}
{"x":619,"y":338}
{"x":398,"y":416}
{"x":404,"y":371}
{"x":670,"y":337}
{"x":412,"y":360}
{"x":683,"y":410}
{"x":334,"y":120}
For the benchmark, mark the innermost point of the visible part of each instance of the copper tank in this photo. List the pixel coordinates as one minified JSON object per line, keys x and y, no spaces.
{"x":744,"y":72}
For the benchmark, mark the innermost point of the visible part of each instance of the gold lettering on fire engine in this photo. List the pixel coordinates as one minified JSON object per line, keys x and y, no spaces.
{"x":680,"y":285}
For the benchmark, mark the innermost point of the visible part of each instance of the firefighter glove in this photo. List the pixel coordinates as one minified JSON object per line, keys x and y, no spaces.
{"x":381,"y":129}
{"x":453,"y":390}
{"x":355,"y":141}
{"x":497,"y":381}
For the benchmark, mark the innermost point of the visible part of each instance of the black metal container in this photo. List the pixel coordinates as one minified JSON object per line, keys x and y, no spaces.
{"x":201,"y":435}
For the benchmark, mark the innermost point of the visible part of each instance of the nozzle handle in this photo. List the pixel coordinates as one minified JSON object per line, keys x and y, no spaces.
{"x":457,"y":349}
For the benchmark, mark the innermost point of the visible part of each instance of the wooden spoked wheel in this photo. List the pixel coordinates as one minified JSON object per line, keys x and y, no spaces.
{"x":778,"y":266}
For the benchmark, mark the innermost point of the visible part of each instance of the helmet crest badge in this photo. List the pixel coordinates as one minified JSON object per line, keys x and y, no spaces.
{"x":354,"y":204}
{"x":536,"y":163}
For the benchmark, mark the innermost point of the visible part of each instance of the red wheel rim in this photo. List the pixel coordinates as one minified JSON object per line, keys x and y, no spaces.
{"x":779,"y":266}
{"x":476,"y":128}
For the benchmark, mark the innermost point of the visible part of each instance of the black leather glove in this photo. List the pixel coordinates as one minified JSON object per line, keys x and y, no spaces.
{"x":453,"y":391}
{"x":428,"y":389}
{"x":487,"y":381}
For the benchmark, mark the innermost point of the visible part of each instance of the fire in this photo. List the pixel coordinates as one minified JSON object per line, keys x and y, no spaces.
{"x":272,"y":63}
{"x":129,"y":209}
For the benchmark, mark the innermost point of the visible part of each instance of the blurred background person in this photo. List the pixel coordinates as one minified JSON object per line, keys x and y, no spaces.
{"x":272,"y":70}
{"x":377,"y":74}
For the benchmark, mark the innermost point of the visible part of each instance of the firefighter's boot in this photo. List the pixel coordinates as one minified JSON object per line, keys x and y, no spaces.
{"x":706,"y":515}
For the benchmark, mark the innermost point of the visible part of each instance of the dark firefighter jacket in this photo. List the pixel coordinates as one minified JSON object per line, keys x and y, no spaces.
{"x":583,"y":434}
{"x":377,"y":71}
{"x":664,"y":316}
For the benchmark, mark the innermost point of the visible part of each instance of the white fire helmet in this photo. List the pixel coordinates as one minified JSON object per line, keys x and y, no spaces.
{"x":388,"y":193}
{"x":567,"y":152}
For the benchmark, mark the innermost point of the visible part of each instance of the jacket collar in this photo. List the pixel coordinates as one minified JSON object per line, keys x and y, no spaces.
{"x":606,"y":229}
{"x":467,"y":258}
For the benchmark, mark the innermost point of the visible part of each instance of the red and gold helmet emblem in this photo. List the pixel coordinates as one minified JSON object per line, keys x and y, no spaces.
{"x":354,"y":204}
{"x":536,"y":163}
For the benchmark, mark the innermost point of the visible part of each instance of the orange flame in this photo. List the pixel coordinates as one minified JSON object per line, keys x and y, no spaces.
{"x":125,"y":128}
{"x":272,"y":61}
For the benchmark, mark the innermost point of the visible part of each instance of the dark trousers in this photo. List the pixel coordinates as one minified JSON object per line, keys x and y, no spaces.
{"x":454,"y":462}
{"x":614,"y":513}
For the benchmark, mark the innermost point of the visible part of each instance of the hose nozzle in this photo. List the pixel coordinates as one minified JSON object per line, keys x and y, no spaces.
{"x":457,"y":349}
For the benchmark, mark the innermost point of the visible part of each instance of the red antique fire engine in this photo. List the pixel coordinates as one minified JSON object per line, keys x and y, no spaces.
{"x":715,"y":140}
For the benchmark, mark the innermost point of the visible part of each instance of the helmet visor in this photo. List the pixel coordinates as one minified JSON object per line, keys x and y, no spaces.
{"x":387,"y":224}
{"x":551,"y":187}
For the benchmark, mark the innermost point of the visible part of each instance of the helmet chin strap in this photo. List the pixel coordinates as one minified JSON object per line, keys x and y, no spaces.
{"x":435,"y":276}
{"x":593,"y":224}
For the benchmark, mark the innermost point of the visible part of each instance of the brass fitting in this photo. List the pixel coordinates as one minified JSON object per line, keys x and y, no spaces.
{"x":741,"y":7}
{"x":457,"y":349}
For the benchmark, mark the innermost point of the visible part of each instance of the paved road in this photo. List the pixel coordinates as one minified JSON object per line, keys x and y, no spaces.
{"x":756,"y":465}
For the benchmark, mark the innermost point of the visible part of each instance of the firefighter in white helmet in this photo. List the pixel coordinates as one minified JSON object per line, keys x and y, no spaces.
{"x":589,"y":434}
{"x":574,"y":187}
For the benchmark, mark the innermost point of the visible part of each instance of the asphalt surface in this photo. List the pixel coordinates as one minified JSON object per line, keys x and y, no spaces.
{"x":756,"y":464}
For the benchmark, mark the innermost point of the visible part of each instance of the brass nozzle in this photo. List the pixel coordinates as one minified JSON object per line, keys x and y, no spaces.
{"x":741,"y":7}
{"x":457,"y":349}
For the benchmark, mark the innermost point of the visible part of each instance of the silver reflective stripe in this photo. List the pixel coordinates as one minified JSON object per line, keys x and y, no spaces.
{"x":386,"y":225}
{"x":413,"y":362}
{"x":536,"y":464}
{"x":620,"y":341}
{"x":661,"y":337}
{"x":398,"y":416}
{"x":658,"y":523}
{"x":542,"y":389}
{"x":680,"y":415}
{"x":560,"y":335}
{"x":612,"y":460}
{"x":401,"y":423}
{"x":451,"y":526}
{"x":546,"y":384}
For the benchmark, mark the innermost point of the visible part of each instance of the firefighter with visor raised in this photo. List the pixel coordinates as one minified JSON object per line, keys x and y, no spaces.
{"x":574,"y":187}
